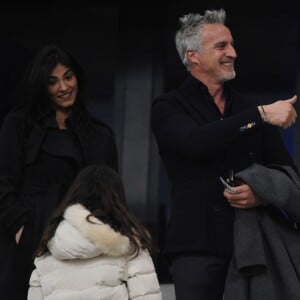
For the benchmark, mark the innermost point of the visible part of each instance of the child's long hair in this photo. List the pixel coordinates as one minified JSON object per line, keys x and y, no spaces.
{"x":101,"y":191}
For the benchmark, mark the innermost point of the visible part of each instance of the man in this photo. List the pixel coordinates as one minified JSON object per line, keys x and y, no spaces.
{"x":206,"y":130}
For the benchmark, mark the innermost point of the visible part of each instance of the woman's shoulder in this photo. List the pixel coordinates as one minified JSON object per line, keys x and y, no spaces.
{"x":16,"y":115}
{"x":14,"y":119}
{"x":99,"y":125}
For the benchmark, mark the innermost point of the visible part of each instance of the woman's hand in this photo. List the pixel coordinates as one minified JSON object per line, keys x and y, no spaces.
{"x":19,"y":234}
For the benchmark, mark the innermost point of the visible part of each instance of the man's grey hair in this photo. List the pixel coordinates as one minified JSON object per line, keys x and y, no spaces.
{"x":188,"y":37}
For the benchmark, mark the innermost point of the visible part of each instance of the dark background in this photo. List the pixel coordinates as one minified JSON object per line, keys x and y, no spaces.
{"x":266,"y":38}
{"x":129,"y":55}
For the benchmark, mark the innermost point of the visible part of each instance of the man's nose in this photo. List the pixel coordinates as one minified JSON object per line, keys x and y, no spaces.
{"x":231,"y":52}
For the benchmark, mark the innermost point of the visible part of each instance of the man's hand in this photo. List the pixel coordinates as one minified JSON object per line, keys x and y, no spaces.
{"x":243,"y":197}
{"x":280,"y":113}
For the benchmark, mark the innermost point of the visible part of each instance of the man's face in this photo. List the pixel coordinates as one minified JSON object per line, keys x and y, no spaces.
{"x":216,"y":60}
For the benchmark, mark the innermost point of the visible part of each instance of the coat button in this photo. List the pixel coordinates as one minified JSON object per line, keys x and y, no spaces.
{"x":217,"y":209}
{"x":251,"y":154}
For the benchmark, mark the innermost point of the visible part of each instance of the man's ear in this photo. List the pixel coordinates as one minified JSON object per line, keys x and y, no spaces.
{"x":192,"y":56}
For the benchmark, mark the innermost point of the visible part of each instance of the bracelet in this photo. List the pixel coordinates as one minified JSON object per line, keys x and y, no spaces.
{"x":264,"y":116}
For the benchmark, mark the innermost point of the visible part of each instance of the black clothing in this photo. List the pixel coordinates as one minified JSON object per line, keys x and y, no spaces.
{"x":209,"y":271}
{"x":198,"y":145}
{"x":35,"y":172}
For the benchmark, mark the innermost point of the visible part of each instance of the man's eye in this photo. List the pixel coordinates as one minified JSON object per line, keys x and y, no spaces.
{"x":221,"y":46}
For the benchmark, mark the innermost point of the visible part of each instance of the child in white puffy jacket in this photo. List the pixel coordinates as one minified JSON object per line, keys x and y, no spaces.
{"x":93,"y":247}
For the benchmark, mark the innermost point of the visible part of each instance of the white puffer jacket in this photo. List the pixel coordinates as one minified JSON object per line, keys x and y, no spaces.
{"x":89,"y":261}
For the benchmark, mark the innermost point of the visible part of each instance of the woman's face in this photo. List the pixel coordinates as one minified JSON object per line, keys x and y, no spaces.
{"x":62,"y":86}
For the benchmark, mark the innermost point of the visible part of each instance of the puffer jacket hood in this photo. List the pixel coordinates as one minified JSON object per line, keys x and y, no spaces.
{"x":88,"y":259}
{"x":77,"y":237}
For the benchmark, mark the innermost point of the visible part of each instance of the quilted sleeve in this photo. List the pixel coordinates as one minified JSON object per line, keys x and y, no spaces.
{"x":142,"y":278}
{"x":35,"y":289}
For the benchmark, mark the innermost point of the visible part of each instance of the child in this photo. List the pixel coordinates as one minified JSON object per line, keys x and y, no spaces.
{"x":93,"y":247}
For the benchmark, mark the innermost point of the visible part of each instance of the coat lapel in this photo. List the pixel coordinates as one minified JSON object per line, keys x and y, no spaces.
{"x":197,"y":102}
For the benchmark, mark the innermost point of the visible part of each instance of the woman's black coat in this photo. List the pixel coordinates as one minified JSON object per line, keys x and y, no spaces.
{"x":33,"y":182}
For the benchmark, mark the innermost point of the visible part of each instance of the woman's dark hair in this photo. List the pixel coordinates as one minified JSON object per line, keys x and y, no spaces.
{"x":101,"y":191}
{"x":36,"y":100}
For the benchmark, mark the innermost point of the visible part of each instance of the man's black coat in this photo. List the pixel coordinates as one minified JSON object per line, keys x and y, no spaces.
{"x":197,"y":145}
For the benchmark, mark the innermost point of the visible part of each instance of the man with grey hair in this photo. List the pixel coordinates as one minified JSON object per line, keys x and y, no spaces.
{"x":205,"y":130}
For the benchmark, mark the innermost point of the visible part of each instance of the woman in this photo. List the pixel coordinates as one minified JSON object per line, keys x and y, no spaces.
{"x":94,"y":247}
{"x":44,"y":144}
